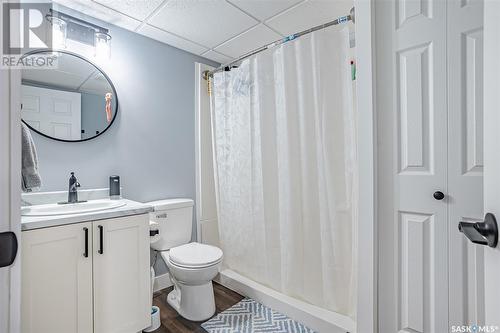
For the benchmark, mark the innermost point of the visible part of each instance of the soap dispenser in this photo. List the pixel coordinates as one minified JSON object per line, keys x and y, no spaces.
{"x":114,"y":187}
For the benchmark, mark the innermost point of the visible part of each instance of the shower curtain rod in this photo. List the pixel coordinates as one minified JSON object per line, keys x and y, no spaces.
{"x":226,"y":67}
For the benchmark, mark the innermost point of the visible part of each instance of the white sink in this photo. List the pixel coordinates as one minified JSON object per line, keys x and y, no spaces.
{"x":70,"y":209}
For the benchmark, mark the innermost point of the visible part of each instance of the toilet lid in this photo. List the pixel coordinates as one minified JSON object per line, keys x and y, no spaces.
{"x":195,"y":255}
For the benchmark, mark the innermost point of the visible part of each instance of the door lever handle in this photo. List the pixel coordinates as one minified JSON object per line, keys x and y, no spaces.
{"x":8,"y":248}
{"x":484,"y":233}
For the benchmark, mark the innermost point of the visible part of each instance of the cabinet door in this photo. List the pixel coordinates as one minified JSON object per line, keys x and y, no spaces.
{"x":122,"y":297}
{"x":57,"y":280}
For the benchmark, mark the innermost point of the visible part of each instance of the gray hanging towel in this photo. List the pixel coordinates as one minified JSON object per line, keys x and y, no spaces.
{"x":30,"y":175}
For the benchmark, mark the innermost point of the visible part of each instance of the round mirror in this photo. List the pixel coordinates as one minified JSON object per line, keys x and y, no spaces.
{"x":71,"y":101}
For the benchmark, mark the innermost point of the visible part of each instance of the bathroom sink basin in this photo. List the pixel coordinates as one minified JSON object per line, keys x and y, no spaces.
{"x":69,"y":209}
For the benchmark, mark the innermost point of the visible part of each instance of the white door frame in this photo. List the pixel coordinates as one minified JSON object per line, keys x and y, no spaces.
{"x":491,"y":155}
{"x":200,"y":106}
{"x":10,"y":194}
{"x":366,"y":316}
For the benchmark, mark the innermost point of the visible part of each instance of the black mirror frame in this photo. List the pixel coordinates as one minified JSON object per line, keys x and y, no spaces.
{"x":96,"y":67}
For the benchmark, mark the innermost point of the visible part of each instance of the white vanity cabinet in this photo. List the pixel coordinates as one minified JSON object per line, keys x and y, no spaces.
{"x":87,"y":277}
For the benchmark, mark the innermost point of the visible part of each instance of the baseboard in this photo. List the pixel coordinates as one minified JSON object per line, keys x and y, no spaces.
{"x":162,"y":282}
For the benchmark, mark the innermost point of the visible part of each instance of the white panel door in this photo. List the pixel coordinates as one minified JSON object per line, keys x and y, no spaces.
{"x":415,"y":285}
{"x":122,"y":297}
{"x":57,"y":280}
{"x":430,"y":114}
{"x":53,"y":112}
{"x":492,"y":154}
{"x":465,"y":159}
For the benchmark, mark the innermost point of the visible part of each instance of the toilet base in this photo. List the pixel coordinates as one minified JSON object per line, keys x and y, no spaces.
{"x":194,"y":303}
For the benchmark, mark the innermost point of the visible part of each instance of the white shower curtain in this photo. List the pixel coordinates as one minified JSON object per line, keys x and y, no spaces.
{"x":286,"y":169}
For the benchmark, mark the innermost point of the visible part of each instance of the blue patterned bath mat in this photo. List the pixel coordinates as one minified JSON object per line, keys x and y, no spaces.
{"x":249,"y":316}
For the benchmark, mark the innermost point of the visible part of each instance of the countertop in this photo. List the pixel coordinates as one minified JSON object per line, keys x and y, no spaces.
{"x":130,"y":208}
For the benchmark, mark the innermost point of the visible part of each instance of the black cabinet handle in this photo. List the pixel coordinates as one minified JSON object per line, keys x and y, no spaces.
{"x":101,"y":240}
{"x":86,"y":253}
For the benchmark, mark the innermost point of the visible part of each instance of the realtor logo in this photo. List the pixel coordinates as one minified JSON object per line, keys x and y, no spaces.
{"x":25,"y":28}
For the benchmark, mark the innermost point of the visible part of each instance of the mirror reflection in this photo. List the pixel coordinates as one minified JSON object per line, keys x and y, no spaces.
{"x":74,"y":101}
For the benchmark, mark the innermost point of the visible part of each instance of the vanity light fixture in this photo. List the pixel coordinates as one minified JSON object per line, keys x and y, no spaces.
{"x":59,"y":32}
{"x":102,"y":45}
{"x":69,"y":27}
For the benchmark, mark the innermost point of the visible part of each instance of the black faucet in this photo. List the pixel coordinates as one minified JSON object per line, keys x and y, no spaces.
{"x":72,"y":191}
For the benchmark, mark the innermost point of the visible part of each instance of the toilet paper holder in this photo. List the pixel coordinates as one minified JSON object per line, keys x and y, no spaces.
{"x":154,"y":231}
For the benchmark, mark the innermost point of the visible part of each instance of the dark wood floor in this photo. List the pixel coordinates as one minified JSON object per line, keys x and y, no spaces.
{"x":172,"y":322}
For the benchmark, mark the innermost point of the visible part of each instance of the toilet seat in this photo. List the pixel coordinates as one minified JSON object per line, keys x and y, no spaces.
{"x":195,"y":255}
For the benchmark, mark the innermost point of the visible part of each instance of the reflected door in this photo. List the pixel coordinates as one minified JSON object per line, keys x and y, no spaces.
{"x":53,"y":112}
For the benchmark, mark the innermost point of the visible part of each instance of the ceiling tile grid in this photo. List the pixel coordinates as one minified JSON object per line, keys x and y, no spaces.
{"x":264,"y":9}
{"x":219,"y":30}
{"x":100,"y":12}
{"x":171,"y":39}
{"x":217,"y":57}
{"x":209,"y":23}
{"x":309,"y":14}
{"x":248,"y":41}
{"x":138,"y":9}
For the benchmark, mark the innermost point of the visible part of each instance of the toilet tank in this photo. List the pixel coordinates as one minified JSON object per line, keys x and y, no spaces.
{"x":175,"y":219}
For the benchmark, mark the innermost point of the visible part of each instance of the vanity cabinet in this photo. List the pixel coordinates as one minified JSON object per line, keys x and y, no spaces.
{"x":87,"y":277}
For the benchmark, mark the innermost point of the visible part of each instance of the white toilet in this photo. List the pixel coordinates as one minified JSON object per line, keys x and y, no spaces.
{"x":192,"y":266}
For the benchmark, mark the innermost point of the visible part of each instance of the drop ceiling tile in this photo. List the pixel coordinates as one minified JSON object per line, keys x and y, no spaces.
{"x":309,"y":14}
{"x":206,"y":22}
{"x":53,"y":78}
{"x":170,"y":39}
{"x":217,"y":57}
{"x":96,"y":84}
{"x":138,"y":9}
{"x":92,"y":9}
{"x":248,"y":41}
{"x":264,"y":9}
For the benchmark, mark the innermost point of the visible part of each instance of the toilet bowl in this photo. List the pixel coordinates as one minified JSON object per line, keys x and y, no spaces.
{"x":192,"y":268}
{"x":191,"y":265}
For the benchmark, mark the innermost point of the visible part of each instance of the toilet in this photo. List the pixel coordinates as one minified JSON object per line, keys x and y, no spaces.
{"x":191,"y":265}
